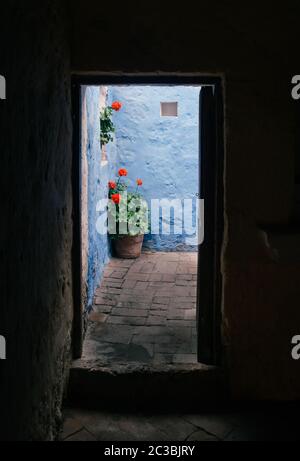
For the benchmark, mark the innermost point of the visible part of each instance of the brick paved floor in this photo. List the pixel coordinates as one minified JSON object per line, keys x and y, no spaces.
{"x":145,"y":311}
{"x":276,"y":425}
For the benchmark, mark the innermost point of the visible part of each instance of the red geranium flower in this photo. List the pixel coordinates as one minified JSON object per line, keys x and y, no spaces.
{"x":139,"y":182}
{"x":123,"y":172}
{"x":112,"y":185}
{"x":116,"y":198}
{"x":116,"y":106}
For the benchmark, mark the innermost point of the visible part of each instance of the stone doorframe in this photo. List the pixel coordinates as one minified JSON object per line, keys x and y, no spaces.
{"x":211,"y":158}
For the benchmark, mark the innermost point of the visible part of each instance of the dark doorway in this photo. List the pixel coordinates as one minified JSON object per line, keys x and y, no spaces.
{"x":211,"y":180}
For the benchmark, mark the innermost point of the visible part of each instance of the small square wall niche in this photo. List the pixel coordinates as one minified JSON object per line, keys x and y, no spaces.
{"x":169,"y":109}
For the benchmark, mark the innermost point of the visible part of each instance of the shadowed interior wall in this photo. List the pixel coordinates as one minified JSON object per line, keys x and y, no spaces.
{"x":261,"y":293}
{"x":36,"y":240}
{"x":241,"y":43}
{"x":163,"y":152}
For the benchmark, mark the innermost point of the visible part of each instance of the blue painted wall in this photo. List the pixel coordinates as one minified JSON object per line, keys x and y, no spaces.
{"x":98,"y":176}
{"x":163,"y":151}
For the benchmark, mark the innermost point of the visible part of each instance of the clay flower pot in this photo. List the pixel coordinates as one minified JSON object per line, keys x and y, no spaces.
{"x":129,"y":247}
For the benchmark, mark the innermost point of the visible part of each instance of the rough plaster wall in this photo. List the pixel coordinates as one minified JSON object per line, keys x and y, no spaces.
{"x":96,"y":177}
{"x":163,"y":151}
{"x":84,"y":192}
{"x":36,"y":238}
{"x":243,"y":44}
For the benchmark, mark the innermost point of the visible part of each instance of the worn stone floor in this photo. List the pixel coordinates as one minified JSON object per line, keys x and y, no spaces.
{"x":82,"y":425}
{"x":145,"y":311}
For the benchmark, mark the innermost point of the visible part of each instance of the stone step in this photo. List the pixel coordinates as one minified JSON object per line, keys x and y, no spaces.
{"x":142,"y":387}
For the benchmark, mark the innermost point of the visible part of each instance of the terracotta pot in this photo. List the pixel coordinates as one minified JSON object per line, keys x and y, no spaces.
{"x":129,"y":247}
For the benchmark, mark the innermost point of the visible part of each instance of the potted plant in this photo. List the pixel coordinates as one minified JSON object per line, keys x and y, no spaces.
{"x":127,"y":217}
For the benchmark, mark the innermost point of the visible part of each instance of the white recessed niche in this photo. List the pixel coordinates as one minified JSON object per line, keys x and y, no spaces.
{"x":169,"y":109}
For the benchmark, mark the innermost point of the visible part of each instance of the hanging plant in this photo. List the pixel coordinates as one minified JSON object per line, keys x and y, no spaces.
{"x":107,"y":126}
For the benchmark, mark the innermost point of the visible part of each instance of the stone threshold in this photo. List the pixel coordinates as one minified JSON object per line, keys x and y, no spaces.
{"x":141,"y":387}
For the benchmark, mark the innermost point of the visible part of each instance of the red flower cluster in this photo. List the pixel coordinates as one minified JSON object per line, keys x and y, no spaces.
{"x":116,"y":198}
{"x":112,"y":185}
{"x":116,"y":188}
{"x":123,"y":172}
{"x":117,"y":106}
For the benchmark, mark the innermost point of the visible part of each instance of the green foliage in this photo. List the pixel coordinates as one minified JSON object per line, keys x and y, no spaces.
{"x":130,"y":217}
{"x":107,"y":126}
